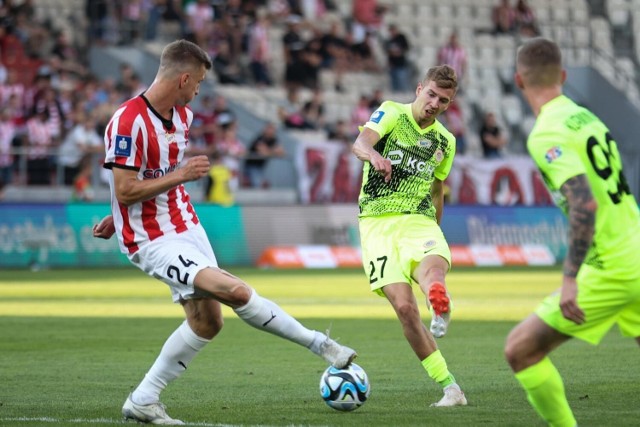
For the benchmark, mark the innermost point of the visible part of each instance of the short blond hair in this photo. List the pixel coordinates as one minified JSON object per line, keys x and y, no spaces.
{"x":539,"y":62}
{"x":444,"y":76}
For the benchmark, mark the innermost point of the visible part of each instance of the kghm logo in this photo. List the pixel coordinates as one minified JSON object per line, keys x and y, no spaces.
{"x":397,"y":157}
{"x":157,"y":173}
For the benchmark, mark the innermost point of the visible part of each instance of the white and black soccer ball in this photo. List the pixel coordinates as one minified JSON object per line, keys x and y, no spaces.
{"x":344,"y":389}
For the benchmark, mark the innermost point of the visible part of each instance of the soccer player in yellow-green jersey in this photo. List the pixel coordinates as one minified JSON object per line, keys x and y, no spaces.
{"x":407,"y":155}
{"x":581,"y":165}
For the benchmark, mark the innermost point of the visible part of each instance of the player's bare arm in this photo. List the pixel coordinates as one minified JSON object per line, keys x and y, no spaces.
{"x":363,"y":150}
{"x":437,"y":198}
{"x":582,"y":215}
{"x":130,"y":190}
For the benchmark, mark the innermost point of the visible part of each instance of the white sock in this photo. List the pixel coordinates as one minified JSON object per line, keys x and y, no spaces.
{"x":266,"y":315}
{"x":179,"y":349}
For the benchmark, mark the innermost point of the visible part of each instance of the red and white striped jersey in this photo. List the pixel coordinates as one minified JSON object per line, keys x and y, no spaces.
{"x":137,"y":138}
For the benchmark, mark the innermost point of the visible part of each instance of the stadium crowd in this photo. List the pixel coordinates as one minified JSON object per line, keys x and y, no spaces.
{"x":53,"y":110}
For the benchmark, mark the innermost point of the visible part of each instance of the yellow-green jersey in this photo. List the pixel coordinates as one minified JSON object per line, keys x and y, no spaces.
{"x":568,"y":140}
{"x":417,"y":156}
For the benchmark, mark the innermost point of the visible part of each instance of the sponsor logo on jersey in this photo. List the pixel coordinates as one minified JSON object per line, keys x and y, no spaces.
{"x":426,"y":143}
{"x":123,"y":145}
{"x":157,"y":173}
{"x":377,"y":116}
{"x":399,"y":157}
{"x":552,"y":154}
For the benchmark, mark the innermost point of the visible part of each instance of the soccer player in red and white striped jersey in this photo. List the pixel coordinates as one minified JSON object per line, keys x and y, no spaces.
{"x":158,"y":229}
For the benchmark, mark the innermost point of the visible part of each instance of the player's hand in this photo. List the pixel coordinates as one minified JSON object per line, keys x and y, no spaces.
{"x":569,"y":301}
{"x":195,"y":168}
{"x":105,"y":228}
{"x":382,"y":166}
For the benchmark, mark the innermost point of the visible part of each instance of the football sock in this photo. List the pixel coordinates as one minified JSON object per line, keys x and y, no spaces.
{"x":436,"y":367}
{"x":545,"y":392}
{"x":179,"y":349}
{"x":266,"y":315}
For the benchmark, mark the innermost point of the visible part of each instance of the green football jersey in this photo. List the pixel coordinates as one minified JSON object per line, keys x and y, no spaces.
{"x":417,"y":156}
{"x":568,"y":140}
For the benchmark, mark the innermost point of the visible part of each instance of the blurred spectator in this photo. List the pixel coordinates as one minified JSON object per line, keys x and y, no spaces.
{"x":133,"y":14}
{"x":362,"y":54}
{"x":38,"y":141}
{"x":503,"y":18}
{"x":258,"y":46}
{"x":312,"y":10}
{"x":376,"y":99}
{"x":313,"y":110}
{"x":82,"y":189}
{"x":165,"y":10}
{"x":206,"y":113}
{"x":230,"y":148}
{"x":12,"y":87}
{"x":360,"y":114}
{"x":225,"y":67}
{"x":199,"y":15}
{"x":335,"y":52}
{"x":454,"y":122}
{"x":218,"y":190}
{"x":7,"y":135}
{"x":293,"y":46}
{"x":339,"y":132}
{"x":367,"y":17}
{"x":290,"y":112}
{"x":312,"y":60}
{"x":453,"y":54}
{"x":491,"y":137}
{"x":263,"y":147}
{"x":66,"y":56}
{"x":525,"y":19}
{"x":48,"y":99}
{"x":97,"y":13}
{"x":397,"y":48}
{"x":83,"y":140}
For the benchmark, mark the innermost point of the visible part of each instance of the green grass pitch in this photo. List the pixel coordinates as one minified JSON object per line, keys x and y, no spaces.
{"x":75,"y":342}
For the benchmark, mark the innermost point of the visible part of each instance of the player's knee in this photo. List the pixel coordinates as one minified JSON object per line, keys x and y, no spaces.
{"x":207,"y":327}
{"x":407,"y":313}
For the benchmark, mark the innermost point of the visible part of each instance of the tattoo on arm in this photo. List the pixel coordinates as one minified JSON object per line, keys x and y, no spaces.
{"x":582,"y":217}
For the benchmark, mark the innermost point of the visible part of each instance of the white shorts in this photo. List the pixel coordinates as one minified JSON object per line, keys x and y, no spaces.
{"x":176,"y":259}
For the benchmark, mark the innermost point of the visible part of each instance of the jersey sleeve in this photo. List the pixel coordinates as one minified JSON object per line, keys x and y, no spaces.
{"x":124,"y":140}
{"x":556,"y":158}
{"x":383,"y":119}
{"x":443,"y":169}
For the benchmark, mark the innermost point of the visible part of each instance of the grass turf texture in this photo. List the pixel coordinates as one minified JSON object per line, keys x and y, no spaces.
{"x":75,"y":342}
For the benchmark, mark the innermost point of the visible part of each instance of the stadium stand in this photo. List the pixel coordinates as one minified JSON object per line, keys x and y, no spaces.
{"x":602,"y":34}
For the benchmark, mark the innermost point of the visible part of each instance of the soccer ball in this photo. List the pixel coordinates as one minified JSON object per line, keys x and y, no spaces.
{"x":344,"y":389}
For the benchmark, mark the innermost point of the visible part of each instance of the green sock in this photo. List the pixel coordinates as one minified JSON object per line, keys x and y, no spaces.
{"x":545,"y":392}
{"x":436,"y":367}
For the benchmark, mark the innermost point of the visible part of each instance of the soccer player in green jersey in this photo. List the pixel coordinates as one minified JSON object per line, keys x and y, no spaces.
{"x":581,"y":166}
{"x":407,"y":155}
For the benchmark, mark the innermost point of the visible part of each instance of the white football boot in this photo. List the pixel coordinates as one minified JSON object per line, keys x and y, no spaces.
{"x":153,"y":413}
{"x":339,"y":356}
{"x":453,"y":396}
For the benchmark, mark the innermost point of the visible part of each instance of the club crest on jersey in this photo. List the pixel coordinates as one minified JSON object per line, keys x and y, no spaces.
{"x":123,"y":145}
{"x":425,"y":143}
{"x":552,"y":154}
{"x":439,"y":155}
{"x":377,"y":116}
